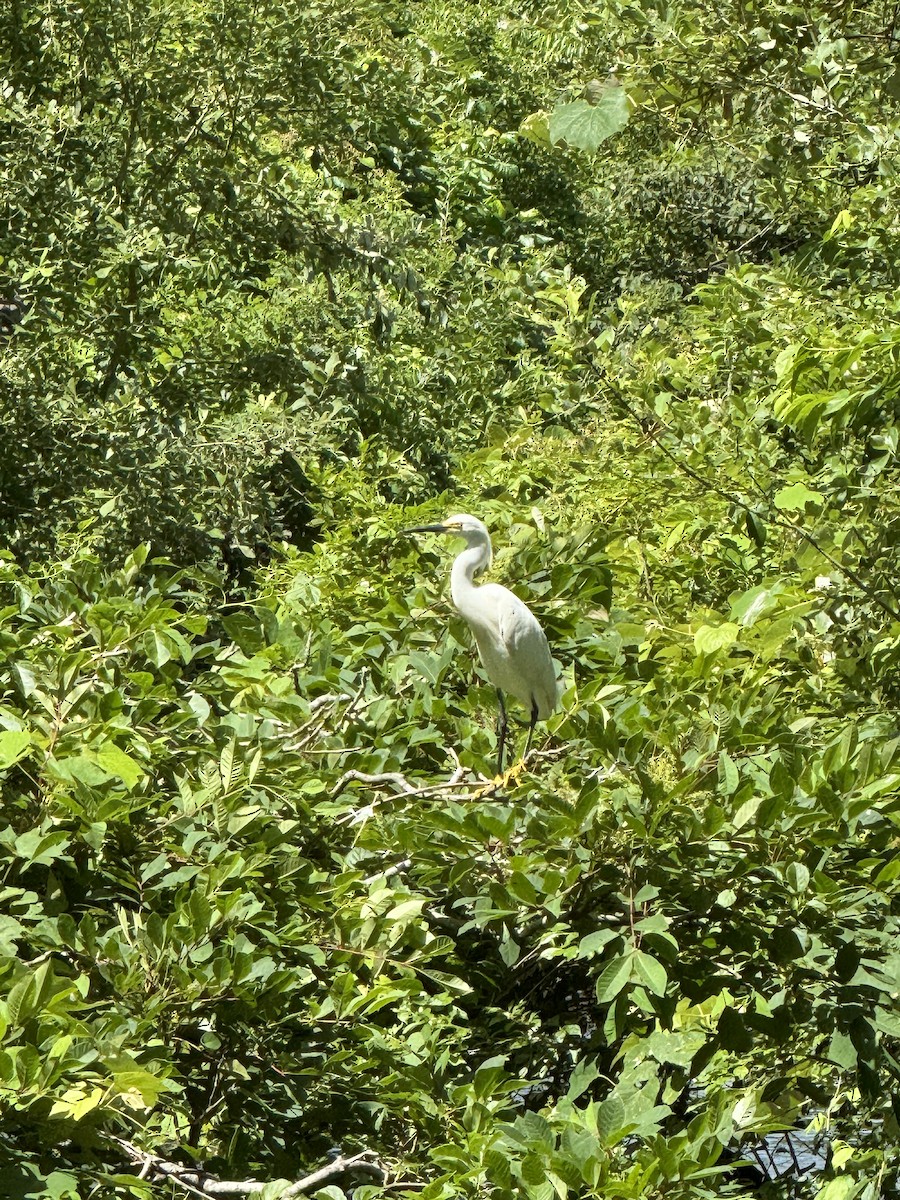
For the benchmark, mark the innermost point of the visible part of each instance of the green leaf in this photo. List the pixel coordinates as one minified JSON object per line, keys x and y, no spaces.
{"x":709,"y":639}
{"x":841,"y":1050}
{"x":745,"y":813}
{"x":119,"y":764}
{"x":533,"y":1171}
{"x":593,"y":943}
{"x":614,"y":976}
{"x":229,"y":769}
{"x":582,"y":1077}
{"x":888,"y":1022}
{"x":20,"y":1000}
{"x":10,"y":931}
{"x":156,"y":647}
{"x":796,"y":496}
{"x":650,"y":972}
{"x":274,"y":1189}
{"x":42,"y":846}
{"x":611,"y":1119}
{"x":797,"y":877}
{"x":14,"y":743}
{"x":586,"y":126}
{"x":733,"y":1032}
{"x":536,"y":128}
{"x":729,"y":776}
{"x":61,"y":1185}
{"x":129,"y":1077}
{"x":406,"y":909}
{"x":751,"y":605}
{"x":844,"y":1187}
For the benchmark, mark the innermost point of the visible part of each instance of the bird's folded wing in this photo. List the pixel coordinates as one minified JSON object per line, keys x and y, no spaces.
{"x":517,"y":624}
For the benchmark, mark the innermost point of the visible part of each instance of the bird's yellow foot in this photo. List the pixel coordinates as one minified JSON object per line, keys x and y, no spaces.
{"x":511,"y":775}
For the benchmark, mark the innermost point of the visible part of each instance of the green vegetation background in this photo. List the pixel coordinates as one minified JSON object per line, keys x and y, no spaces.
{"x":623,"y":282}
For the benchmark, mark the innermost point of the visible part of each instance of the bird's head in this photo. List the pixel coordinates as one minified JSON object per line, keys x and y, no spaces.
{"x":462,"y":525}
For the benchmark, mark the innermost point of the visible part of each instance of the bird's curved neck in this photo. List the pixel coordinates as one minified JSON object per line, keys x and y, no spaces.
{"x":465,"y":567}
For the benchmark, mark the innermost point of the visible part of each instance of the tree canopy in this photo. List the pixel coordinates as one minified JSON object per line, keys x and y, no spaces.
{"x":279,"y":281}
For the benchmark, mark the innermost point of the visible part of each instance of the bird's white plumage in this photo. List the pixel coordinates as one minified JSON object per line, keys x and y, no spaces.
{"x":512,"y":647}
{"x":511,"y":643}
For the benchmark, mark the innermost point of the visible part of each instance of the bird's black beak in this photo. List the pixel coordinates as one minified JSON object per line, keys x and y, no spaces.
{"x":426,"y":529}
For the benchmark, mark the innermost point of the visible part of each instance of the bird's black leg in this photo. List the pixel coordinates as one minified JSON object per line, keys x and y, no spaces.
{"x":531,"y":725}
{"x":502,"y":729}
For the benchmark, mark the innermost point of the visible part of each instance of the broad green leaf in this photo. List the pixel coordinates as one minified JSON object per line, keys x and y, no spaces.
{"x":710,"y":638}
{"x":585,"y":126}
{"x":406,"y":909}
{"x":42,"y":846}
{"x":116,"y":762}
{"x":78,"y":767}
{"x":20,"y":1000}
{"x":533,"y":1171}
{"x":796,"y":497}
{"x":611,"y":1119}
{"x":751,"y":605}
{"x":10,"y":931}
{"x":797,"y":877}
{"x":888,"y":1021}
{"x":841,"y":1050}
{"x":649,"y":971}
{"x":76,"y":1102}
{"x":229,"y":767}
{"x":844,"y":1187}
{"x":614,"y":976}
{"x":156,"y":647}
{"x":593,"y":943}
{"x":733,"y":1031}
{"x":14,"y":743}
{"x":61,"y":1185}
{"x":786,"y":361}
{"x":536,"y":128}
{"x":745,"y":813}
{"x":582,"y":1077}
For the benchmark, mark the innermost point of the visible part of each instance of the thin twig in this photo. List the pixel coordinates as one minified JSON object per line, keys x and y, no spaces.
{"x":316,"y":728}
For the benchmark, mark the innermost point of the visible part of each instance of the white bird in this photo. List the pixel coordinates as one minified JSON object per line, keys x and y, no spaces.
{"x":511,"y":643}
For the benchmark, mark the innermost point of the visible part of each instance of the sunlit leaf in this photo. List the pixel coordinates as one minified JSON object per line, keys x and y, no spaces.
{"x":586,"y":126}
{"x":708,"y":639}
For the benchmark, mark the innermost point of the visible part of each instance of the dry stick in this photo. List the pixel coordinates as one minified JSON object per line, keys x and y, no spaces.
{"x":201,"y":1184}
{"x":779,"y":521}
{"x":367,"y":1163}
{"x":400,"y":784}
{"x":313,"y":729}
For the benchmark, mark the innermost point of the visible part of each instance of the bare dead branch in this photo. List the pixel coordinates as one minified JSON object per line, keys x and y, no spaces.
{"x":200,"y":1183}
{"x":367,"y":1163}
{"x":399,"y":782}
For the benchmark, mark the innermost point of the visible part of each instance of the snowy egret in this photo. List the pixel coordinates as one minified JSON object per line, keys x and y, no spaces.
{"x":511,"y":643}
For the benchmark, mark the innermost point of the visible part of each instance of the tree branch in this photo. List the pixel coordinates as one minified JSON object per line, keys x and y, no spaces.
{"x":200,"y":1183}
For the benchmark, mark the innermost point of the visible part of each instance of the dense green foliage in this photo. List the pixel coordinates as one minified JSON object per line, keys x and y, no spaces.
{"x":620,"y":281}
